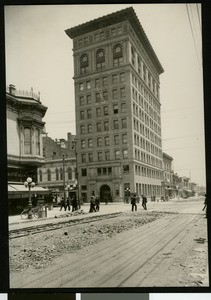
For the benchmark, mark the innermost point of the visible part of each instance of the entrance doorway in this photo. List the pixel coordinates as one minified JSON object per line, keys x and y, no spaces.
{"x":105,"y":193}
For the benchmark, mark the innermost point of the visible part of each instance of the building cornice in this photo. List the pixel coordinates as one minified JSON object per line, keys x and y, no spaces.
{"x":114,"y":18}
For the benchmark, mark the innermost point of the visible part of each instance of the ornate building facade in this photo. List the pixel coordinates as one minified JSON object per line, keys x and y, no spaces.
{"x":117,"y":101}
{"x":24,"y":144}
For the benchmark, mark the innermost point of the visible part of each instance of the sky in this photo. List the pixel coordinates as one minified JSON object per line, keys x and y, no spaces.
{"x":39,"y":55}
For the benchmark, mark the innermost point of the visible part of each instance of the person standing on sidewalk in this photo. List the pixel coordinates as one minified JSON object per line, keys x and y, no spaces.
{"x":67,"y":204}
{"x":133,"y":202}
{"x":62,"y":203}
{"x":97,"y":203}
{"x":144,"y":202}
{"x":92,"y":204}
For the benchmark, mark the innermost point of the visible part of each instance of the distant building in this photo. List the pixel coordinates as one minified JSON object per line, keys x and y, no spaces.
{"x":24,"y":144}
{"x":117,"y":102}
{"x":50,"y":174}
{"x":184,"y":187}
{"x":167,"y":176}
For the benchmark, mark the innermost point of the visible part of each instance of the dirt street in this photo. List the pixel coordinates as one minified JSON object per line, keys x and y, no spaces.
{"x":142,"y":249}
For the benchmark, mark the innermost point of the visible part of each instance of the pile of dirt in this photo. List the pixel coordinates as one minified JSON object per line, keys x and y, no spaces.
{"x":39,"y":250}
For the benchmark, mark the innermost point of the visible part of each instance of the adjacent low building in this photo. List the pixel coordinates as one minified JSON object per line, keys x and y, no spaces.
{"x":24,"y":145}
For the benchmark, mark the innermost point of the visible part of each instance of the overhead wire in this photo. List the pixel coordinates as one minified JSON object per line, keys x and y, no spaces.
{"x":194,"y":41}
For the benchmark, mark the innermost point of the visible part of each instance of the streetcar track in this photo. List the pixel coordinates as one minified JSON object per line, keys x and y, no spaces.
{"x":44,"y":228}
{"x":67,"y":278}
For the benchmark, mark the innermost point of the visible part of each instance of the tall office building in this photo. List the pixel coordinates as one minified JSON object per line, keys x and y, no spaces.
{"x":118,"y":123}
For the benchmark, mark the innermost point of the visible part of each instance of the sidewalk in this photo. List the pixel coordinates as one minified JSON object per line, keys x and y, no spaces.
{"x":53,"y":216}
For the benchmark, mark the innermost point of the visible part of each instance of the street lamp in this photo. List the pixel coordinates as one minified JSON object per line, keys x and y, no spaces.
{"x":30,"y":184}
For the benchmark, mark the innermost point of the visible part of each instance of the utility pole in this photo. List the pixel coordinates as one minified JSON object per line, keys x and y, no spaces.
{"x":77,"y":177}
{"x":64,"y":179}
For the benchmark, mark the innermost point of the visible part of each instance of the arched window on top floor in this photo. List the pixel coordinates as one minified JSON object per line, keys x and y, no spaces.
{"x":117,"y":55}
{"x":84,"y":64}
{"x":100,"y":59}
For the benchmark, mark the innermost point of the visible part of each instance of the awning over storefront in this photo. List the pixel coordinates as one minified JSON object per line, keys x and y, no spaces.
{"x":19,"y":189}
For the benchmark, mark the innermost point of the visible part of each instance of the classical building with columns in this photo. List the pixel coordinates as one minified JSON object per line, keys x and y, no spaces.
{"x":24,"y":144}
{"x":117,"y":102}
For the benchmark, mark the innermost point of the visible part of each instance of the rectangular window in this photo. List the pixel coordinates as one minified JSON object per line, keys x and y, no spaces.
{"x":122,"y":92}
{"x":97,"y":97}
{"x":27,"y":141}
{"x":107,"y":155}
{"x":124,"y":123}
{"x":122,"y":77}
{"x":90,"y":157}
{"x":89,"y":113}
{"x":109,"y":170}
{"x":99,"y":156}
{"x":81,"y":99}
{"x":116,"y":140}
{"x":83,"y":172}
{"x":115,"y":108}
{"x":125,"y":153}
{"x":89,"y":128}
{"x":82,"y":115}
{"x":83,"y":144}
{"x":37,"y":141}
{"x":124,"y":139}
{"x":126,"y":169}
{"x":99,"y":128}
{"x":99,"y":142}
{"x":99,"y":171}
{"x":106,"y":140}
{"x":114,"y":92}
{"x":117,"y":154}
{"x":90,"y":143}
{"x":98,"y":112}
{"x":105,"y":95}
{"x":123,"y":107}
{"x":114,"y":78}
{"x":83,"y":158}
{"x":105,"y":110}
{"x":88,"y":85}
{"x":106,"y":126}
{"x":105,"y":80}
{"x":88,"y":99}
{"x":82,"y":129}
{"x":116,"y":124}
{"x":81,"y":86}
{"x":97,"y":82}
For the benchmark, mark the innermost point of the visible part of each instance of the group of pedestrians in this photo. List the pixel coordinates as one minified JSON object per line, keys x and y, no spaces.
{"x":66,"y":205}
{"x":94,"y":203}
{"x":134,"y":201}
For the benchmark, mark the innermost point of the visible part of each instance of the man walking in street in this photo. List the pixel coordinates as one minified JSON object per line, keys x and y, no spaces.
{"x":133,"y":202}
{"x":97,"y":203}
{"x":144,"y":202}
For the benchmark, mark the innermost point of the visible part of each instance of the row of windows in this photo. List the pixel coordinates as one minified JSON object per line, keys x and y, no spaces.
{"x":100,"y":35}
{"x":144,"y":72}
{"x":141,"y":142}
{"x":104,"y":155}
{"x":101,"y":95}
{"x":104,"y":141}
{"x":147,"y":158}
{"x":147,"y":172}
{"x":103,"y":126}
{"x":104,"y":111}
{"x":28,"y":140}
{"x":146,"y":119}
{"x":58,"y":172}
{"x":138,"y":126}
{"x":150,"y":111}
{"x":100,"y":59}
{"x":139,"y":88}
{"x":116,"y":78}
